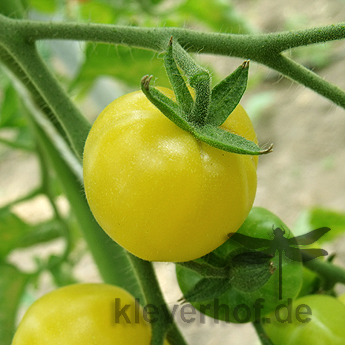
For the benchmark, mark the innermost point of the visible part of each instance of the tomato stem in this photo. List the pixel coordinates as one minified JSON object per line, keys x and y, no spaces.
{"x":265,"y":340}
{"x":162,"y":326}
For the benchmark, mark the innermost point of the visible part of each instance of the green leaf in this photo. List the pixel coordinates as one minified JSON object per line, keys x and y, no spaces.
{"x":166,"y":105}
{"x":183,"y":96}
{"x":12,"y":285}
{"x":10,"y":116}
{"x":207,"y":289}
{"x":227,"y":141}
{"x":98,"y":12}
{"x":215,"y":14}
{"x":47,"y":6}
{"x":12,"y":8}
{"x":250,"y":270}
{"x":227,"y":94}
{"x":125,"y":64}
{"x":320,"y":217}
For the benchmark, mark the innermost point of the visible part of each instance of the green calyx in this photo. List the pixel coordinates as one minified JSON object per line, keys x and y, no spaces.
{"x":202,"y":115}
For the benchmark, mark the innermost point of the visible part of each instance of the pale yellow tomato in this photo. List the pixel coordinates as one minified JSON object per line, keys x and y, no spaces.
{"x":84,"y":314}
{"x":159,"y":192}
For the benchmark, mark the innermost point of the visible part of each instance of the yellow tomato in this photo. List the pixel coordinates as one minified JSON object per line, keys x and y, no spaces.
{"x":83,"y":314}
{"x":159,"y":192}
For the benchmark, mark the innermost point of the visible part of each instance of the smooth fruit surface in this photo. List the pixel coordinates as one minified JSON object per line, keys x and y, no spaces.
{"x":326,"y":325}
{"x":81,"y":314}
{"x":156,"y":190}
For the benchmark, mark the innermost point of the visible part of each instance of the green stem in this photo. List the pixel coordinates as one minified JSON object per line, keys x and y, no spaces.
{"x":265,"y":340}
{"x":35,"y":96}
{"x":33,"y":193}
{"x":327,"y":270}
{"x":75,"y":125}
{"x":47,"y":190}
{"x":306,"y":77}
{"x":262,"y":48}
{"x":164,"y":324}
{"x":157,"y":38}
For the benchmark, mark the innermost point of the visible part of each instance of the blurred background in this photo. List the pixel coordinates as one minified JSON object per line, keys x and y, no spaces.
{"x":302,"y":181}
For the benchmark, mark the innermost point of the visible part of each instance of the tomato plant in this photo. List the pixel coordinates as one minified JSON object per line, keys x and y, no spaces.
{"x":168,"y":174}
{"x":313,"y":319}
{"x":83,"y":314}
{"x":147,"y":181}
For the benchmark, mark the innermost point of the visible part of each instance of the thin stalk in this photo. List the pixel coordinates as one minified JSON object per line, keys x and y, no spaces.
{"x":74,"y":123}
{"x":327,"y":270}
{"x":265,"y":340}
{"x":163,"y":325}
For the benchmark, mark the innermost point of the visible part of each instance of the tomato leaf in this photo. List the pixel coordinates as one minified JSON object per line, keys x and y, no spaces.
{"x":207,"y":289}
{"x":216,"y":14}
{"x":318,"y":217}
{"x":12,"y":285}
{"x":226,"y":95}
{"x":183,"y":96}
{"x":166,"y":105}
{"x":123,"y":63}
{"x":250,"y":270}
{"x":46,"y":6}
{"x":227,"y":141}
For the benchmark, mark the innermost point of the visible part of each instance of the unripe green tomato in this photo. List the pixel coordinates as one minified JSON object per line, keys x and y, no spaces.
{"x":326,"y":325}
{"x":159,"y":192}
{"x":243,"y":306}
{"x":83,"y":314}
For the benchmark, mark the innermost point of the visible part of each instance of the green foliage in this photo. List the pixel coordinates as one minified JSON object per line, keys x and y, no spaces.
{"x":32,"y":103}
{"x":122,"y":63}
{"x":12,"y":286}
{"x":317,"y":217}
{"x":15,"y":233}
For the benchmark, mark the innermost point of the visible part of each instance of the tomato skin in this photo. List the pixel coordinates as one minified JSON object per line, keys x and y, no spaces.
{"x":325,"y":328}
{"x":82,"y":314}
{"x":258,"y":224}
{"x":159,"y":192}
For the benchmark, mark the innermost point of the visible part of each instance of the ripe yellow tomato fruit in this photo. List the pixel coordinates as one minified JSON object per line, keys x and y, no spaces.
{"x":159,"y":192}
{"x":81,"y":314}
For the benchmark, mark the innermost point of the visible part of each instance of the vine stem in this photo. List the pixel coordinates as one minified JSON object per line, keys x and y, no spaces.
{"x":163,"y":325}
{"x":331,"y":273}
{"x":265,"y":340}
{"x":75,"y":125}
{"x":263,"y":48}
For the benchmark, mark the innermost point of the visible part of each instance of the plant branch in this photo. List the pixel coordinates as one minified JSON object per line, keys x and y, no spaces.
{"x":158,"y":38}
{"x":306,"y":77}
{"x":262,"y":48}
{"x":264,"y":339}
{"x":164,"y":324}
{"x":327,"y":270}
